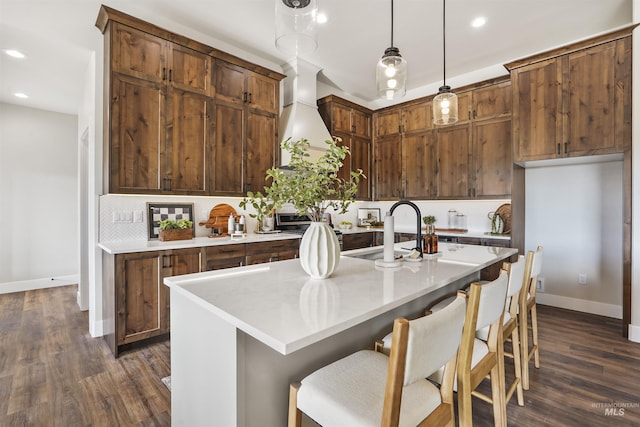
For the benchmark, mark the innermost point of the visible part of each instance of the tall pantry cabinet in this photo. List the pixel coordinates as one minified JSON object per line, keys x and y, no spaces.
{"x":177,"y":119}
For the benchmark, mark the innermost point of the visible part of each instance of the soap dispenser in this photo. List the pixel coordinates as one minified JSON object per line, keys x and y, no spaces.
{"x":231,"y":224}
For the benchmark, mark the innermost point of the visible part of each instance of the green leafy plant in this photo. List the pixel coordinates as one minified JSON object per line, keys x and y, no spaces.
{"x":181,"y":224}
{"x":263,"y":205}
{"x":310,"y":187}
{"x":429,"y":219}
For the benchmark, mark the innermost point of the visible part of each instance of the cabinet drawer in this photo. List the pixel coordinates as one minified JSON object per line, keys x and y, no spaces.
{"x":262,"y":258}
{"x":272,"y":247}
{"x":226,"y":251}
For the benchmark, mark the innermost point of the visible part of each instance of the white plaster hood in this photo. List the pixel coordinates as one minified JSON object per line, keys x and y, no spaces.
{"x":300,"y":117}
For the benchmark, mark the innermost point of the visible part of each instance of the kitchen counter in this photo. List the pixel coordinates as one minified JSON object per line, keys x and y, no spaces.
{"x":440,"y":232}
{"x":123,"y":247}
{"x":240,"y":336}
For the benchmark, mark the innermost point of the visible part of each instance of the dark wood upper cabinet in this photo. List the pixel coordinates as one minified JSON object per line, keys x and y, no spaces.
{"x":454,"y":162}
{"x":246,"y":133}
{"x":180,"y":113}
{"x":493,"y":158}
{"x":352,"y":124}
{"x":575,"y":101}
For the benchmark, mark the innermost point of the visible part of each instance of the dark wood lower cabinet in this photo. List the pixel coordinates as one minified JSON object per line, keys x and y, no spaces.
{"x":358,"y":240}
{"x":262,"y":252}
{"x":135,"y":300}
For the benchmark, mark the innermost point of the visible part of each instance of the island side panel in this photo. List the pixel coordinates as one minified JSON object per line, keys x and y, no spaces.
{"x":268,"y":373}
{"x":204,"y":360}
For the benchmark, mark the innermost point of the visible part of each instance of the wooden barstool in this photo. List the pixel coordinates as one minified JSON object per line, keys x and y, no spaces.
{"x":527,"y":308}
{"x":510,"y":325}
{"x":368,"y":388}
{"x":478,"y":358}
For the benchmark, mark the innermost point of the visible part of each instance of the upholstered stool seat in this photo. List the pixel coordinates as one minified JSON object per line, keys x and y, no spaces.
{"x":344,"y":393}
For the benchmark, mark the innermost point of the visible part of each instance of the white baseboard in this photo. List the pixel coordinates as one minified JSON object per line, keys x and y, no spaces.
{"x":29,"y":285}
{"x":634,"y":333}
{"x":585,"y":306}
{"x":96,"y":328}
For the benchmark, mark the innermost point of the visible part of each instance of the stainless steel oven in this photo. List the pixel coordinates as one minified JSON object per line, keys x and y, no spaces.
{"x":294,"y":223}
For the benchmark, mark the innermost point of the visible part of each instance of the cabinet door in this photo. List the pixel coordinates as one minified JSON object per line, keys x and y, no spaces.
{"x":417,"y":118}
{"x":388,"y":123}
{"x":345,"y":141}
{"x":176,"y":263}
{"x":137,"y":136}
{"x":189,"y":141}
{"x":230,"y":82}
{"x":537,"y":122}
{"x":361,"y":159}
{"x":341,"y":118}
{"x":361,"y":123}
{"x":420,"y":165}
{"x":454,"y":156}
{"x":492,"y":101}
{"x":263,"y":92}
{"x":592,"y":95}
{"x":228,"y":149}
{"x":189,"y":70}
{"x":138,"y":54}
{"x":260,"y":149}
{"x":494,"y":161}
{"x":140,"y":299}
{"x":388,"y":163}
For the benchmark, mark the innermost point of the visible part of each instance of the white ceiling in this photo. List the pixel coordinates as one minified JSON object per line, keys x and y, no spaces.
{"x":59,"y":36}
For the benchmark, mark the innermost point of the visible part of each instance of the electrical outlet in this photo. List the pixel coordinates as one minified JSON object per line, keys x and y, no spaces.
{"x":540,"y":284}
{"x":582,"y":278}
{"x":137,"y":216}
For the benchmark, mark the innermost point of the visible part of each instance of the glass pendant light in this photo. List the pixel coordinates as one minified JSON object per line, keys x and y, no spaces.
{"x":445,"y":104}
{"x":391,"y":71}
{"x":296,"y":26}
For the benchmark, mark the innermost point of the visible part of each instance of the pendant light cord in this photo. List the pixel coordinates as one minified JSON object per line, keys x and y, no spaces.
{"x":444,"y":47}
{"x":391,"y":23}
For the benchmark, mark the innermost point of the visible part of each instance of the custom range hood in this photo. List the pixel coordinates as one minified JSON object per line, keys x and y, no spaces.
{"x":300,"y":117}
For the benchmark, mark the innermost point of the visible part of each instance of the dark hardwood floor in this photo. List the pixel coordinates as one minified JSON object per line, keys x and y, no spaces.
{"x":52,"y":373}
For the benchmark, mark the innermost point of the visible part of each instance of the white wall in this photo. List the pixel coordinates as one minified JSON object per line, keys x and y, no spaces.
{"x":575,"y":213}
{"x":38,"y":197}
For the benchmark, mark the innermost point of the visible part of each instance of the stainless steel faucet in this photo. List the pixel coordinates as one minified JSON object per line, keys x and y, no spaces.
{"x":418,"y":225}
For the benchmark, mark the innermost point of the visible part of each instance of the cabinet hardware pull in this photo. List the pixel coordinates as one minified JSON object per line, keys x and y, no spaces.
{"x":244,"y":97}
{"x":166,"y":261}
{"x":558,"y":149}
{"x":469,"y":115}
{"x":164,"y":74}
{"x":566,"y":147}
{"x":250,"y":98}
{"x":170,"y":75}
{"x":399,"y":129}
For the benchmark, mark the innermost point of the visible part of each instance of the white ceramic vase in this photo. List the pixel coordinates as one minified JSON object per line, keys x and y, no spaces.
{"x":319,"y":250}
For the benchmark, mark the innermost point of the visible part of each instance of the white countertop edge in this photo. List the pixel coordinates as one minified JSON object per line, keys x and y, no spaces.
{"x":286,"y":348}
{"x":129,"y":246}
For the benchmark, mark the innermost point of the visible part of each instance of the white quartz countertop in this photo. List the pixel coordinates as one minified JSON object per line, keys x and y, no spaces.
{"x":281,"y":306}
{"x":122,"y":247}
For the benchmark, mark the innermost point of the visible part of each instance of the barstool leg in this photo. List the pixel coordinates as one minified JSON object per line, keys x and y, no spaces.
{"x":534,"y":329}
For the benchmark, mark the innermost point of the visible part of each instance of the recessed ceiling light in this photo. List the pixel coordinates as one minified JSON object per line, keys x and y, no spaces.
{"x":20,"y":95}
{"x":321,"y":18}
{"x":479,"y":22}
{"x":14,"y":53}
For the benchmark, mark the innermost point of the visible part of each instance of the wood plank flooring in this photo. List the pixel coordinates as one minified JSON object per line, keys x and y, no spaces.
{"x":52,"y":373}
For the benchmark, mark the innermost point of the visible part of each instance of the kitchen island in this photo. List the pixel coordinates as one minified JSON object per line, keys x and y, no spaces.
{"x":240,"y":336}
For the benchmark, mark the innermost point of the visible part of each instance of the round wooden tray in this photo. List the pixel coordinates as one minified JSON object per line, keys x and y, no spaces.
{"x":505,"y":213}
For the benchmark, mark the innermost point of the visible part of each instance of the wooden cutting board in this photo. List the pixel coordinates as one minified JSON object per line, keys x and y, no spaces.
{"x":219,"y":217}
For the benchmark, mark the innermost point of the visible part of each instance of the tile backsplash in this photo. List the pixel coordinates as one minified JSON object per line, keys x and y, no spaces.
{"x":125,"y":217}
